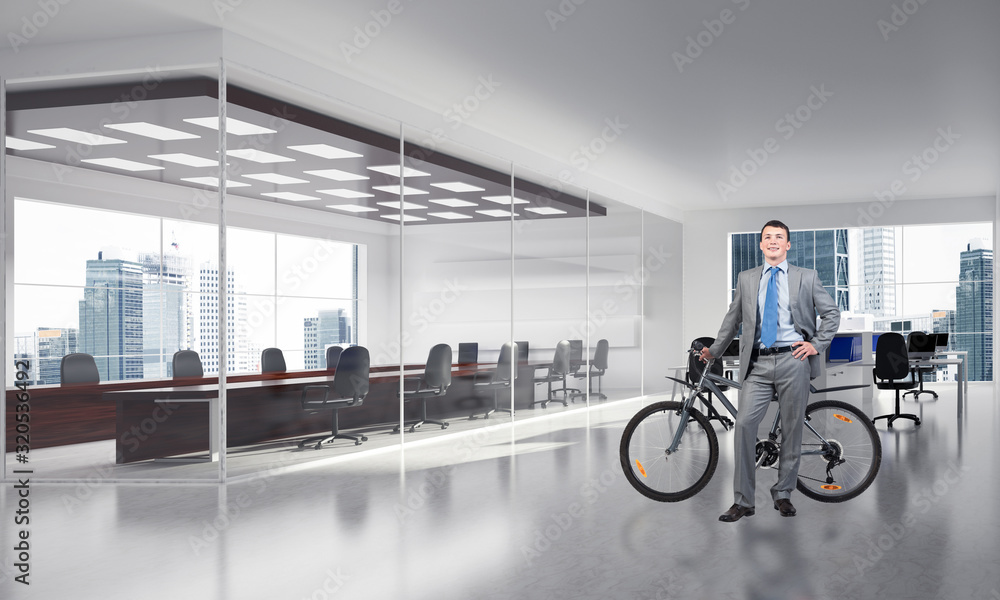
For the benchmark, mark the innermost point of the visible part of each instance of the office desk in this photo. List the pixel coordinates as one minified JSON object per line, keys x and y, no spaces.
{"x":963,"y":384}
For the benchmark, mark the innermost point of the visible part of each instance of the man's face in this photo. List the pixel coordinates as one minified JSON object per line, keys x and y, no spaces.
{"x":774,"y":244}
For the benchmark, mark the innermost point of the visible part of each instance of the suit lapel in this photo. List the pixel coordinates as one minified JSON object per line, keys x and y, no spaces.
{"x":794,"y":281}
{"x":752,"y":287}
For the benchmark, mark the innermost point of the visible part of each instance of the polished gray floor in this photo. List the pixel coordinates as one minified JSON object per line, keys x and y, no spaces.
{"x":539,"y":510}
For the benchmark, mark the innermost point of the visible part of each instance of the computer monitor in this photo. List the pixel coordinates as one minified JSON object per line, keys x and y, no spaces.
{"x":842,"y":348}
{"x":468,"y":353}
{"x":522,"y":351}
{"x":575,"y":352}
{"x":940,"y":341}
{"x":920,"y":344}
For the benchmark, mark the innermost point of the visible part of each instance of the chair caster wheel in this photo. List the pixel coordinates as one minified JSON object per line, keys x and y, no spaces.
{"x":357,"y":442}
{"x":364,"y":438}
{"x":318,"y":446}
{"x":445,"y":426}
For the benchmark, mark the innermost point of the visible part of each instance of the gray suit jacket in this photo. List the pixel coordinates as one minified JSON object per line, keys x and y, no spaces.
{"x":806,"y":297}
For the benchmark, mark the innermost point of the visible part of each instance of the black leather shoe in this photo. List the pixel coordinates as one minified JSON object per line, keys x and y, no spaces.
{"x":736,"y":512}
{"x":784,"y":506}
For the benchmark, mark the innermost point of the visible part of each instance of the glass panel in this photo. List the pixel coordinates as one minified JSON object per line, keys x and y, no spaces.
{"x":105,"y":247}
{"x":456,"y":286}
{"x":619,"y":276}
{"x":933,"y":253}
{"x":663,"y":345}
{"x":550,"y":291}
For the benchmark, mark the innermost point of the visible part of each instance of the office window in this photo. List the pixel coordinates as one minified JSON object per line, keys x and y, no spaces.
{"x":932,"y":278}
{"x":133,"y":289}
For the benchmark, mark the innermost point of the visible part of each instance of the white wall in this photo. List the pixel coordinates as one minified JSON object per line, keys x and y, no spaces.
{"x":706,"y":287}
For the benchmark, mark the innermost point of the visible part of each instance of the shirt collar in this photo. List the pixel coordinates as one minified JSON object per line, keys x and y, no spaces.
{"x":783,"y":265}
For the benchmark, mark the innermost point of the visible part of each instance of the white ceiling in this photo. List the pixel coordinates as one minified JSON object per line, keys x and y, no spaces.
{"x":558,"y":82}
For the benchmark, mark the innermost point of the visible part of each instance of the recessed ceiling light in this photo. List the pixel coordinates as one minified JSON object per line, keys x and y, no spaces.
{"x":186,"y":159}
{"x":337,"y":175}
{"x":345,"y":193}
{"x":495,"y":212}
{"x":275,"y":178}
{"x":449,"y":215}
{"x":14,"y":143}
{"x":233,"y":126}
{"x":454,"y":202}
{"x":258,"y":156}
{"x":354,"y":208}
{"x":506,"y":200}
{"x":395,"y":217}
{"x":458,"y":186}
{"x":214,"y":182}
{"x":394,"y":189}
{"x":545,"y":210}
{"x":157,"y":132}
{"x":121,"y":163}
{"x":394,"y":171}
{"x":292,"y":196}
{"x":324,"y":151}
{"x":75,"y":135}
{"x":406,"y":205}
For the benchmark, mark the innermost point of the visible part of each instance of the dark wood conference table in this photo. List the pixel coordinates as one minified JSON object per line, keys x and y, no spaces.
{"x":161,"y":418}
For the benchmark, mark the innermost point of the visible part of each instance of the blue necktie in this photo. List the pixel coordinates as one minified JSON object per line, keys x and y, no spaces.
{"x":769,"y":326}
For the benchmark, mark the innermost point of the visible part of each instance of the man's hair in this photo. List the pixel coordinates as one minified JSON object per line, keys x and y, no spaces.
{"x":775,"y":223}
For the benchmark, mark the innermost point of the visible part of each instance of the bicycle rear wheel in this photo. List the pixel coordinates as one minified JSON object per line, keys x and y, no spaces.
{"x":846,"y":463}
{"x":675,"y":476}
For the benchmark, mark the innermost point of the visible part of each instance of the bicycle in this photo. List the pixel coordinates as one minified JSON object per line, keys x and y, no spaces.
{"x":669,"y":450}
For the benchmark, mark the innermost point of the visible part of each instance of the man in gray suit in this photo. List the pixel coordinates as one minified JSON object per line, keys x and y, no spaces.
{"x":777,"y":304}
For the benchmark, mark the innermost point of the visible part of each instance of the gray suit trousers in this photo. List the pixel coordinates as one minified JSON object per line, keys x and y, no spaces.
{"x":789,"y":377}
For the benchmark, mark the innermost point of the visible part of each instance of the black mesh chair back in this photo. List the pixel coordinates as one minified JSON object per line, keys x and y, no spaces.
{"x":352,"y":377}
{"x":695,"y":366}
{"x":468,"y":353}
{"x":600,"y":361}
{"x":78,"y":368}
{"x":891,"y":358}
{"x":575,"y":353}
{"x":521,"y":351}
{"x":272,"y":360}
{"x":437,"y":372}
{"x":561,"y":359}
{"x":505,"y":370}
{"x":333,"y":357}
{"x":187,"y":363}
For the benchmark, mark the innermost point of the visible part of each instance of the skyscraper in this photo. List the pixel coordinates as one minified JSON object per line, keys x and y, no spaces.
{"x":822,"y":249}
{"x":878,"y":296}
{"x":206,"y":330}
{"x":331,"y":327}
{"x":53,"y":343}
{"x":165,"y":308}
{"x":111,"y":317}
{"x":974,"y":310}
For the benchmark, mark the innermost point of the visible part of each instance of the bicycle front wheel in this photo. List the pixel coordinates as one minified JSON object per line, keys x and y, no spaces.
{"x":841,"y":452}
{"x":673,"y":476}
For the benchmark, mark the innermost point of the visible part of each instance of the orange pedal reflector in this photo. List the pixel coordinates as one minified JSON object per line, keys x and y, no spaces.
{"x":831,"y":487}
{"x":843,"y":418}
{"x":641,"y":470}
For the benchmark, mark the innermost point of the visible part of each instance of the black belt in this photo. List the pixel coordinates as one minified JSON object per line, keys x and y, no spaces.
{"x":769,"y":351}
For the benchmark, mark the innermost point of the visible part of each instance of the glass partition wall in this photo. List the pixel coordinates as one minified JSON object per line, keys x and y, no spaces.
{"x":349,"y":242}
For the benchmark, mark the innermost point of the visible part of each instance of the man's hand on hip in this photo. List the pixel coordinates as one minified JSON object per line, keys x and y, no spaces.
{"x":803,"y":350}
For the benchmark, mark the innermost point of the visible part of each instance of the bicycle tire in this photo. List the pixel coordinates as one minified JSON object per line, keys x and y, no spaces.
{"x":650,"y":470}
{"x":854,"y":448}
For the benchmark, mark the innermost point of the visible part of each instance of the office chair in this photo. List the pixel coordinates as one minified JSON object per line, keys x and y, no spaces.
{"x":468,"y":353}
{"x":501,"y":378}
{"x":187,"y":363}
{"x":695,"y":368}
{"x":576,"y":362}
{"x":434,"y":384}
{"x":272,"y":360}
{"x":892,"y":372}
{"x":333,"y":357}
{"x":350,"y":386}
{"x":558,"y":371}
{"x":78,"y":368}
{"x":921,"y":345}
{"x":597,"y":368}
